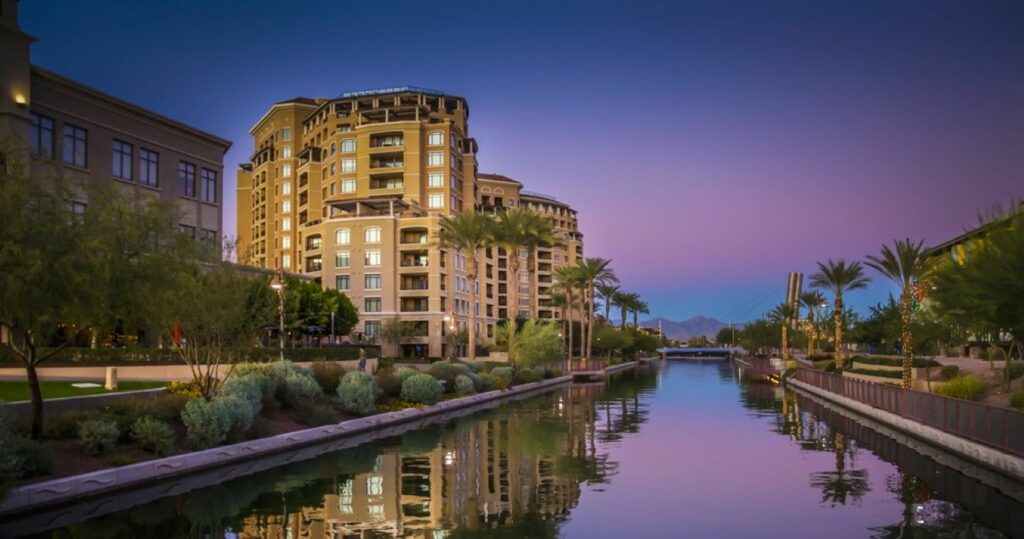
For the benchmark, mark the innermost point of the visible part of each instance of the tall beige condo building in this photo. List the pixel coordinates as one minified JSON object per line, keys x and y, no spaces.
{"x":350,"y":191}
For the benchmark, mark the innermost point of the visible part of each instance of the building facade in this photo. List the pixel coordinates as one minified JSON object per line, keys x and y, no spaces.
{"x":350,"y":191}
{"x":59,"y":127}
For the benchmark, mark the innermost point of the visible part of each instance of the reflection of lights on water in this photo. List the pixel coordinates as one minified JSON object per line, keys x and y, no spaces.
{"x":561,"y":404}
{"x":449,"y":458}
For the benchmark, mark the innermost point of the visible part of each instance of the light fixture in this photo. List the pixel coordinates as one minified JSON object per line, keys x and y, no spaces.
{"x":20,"y":100}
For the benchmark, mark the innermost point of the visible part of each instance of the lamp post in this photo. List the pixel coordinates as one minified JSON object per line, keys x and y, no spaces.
{"x":278,"y":284}
{"x":449,"y":318}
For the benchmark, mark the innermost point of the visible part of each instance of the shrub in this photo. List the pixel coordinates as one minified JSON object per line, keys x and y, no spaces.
{"x":447,"y":372}
{"x":526,"y":376}
{"x":35,"y":459}
{"x":247,"y":388}
{"x":553,"y":372}
{"x":358,"y":392}
{"x":1017,"y":399}
{"x":300,"y":391}
{"x":422,"y":388}
{"x":10,"y":460}
{"x":948,"y":372}
{"x":65,"y":426}
{"x":258,"y":375}
{"x":389,"y":384}
{"x":491,"y":382}
{"x":877,"y":372}
{"x":403,"y":373}
{"x":464,"y":385}
{"x":153,"y":435}
{"x":1016,"y":369}
{"x":120,"y":460}
{"x":965,"y":387}
{"x":328,"y":374}
{"x":207,"y":422}
{"x":97,"y":435}
{"x":503,"y":372}
{"x":187,"y":390}
{"x":478,"y":381}
{"x":239,"y":410}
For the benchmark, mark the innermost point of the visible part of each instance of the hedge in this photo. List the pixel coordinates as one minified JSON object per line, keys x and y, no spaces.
{"x":880,"y":373}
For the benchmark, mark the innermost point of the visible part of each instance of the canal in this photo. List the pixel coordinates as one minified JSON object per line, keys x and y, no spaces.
{"x":670,"y":450}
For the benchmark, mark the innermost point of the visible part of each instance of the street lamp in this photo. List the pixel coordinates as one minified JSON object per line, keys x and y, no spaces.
{"x":278,"y":284}
{"x":449,"y":318}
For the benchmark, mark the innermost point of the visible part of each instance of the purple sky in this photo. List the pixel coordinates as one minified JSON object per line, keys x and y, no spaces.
{"x":710,"y":147}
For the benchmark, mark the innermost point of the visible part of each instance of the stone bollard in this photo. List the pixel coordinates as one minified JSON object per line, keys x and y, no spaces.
{"x":111,"y":384}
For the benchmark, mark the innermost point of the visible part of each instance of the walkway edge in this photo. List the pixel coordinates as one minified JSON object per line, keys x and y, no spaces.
{"x":982,"y":454}
{"x":57,"y":491}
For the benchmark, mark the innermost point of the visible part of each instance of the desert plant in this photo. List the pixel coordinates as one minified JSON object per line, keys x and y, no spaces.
{"x":948,"y":372}
{"x":153,"y":435}
{"x":207,"y":422}
{"x":299,"y":390}
{"x":491,"y":382}
{"x":1017,"y":399}
{"x":358,"y":393}
{"x":247,"y":388}
{"x":34,"y":458}
{"x":502,"y":372}
{"x":390,"y":385}
{"x":97,"y":435}
{"x":403,"y":373}
{"x":328,"y":374}
{"x":240,"y":411}
{"x":967,"y":387}
{"x":447,"y":372}
{"x":422,"y":388}
{"x":464,"y":385}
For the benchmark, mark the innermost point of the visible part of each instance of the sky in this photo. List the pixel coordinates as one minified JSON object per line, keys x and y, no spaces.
{"x":710,"y":147}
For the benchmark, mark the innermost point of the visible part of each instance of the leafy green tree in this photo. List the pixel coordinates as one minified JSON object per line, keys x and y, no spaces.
{"x":759,"y":334}
{"x":468,"y":232}
{"x":608,"y":339}
{"x":66,"y":275}
{"x":537,"y":344}
{"x":985,"y":294}
{"x":395,"y":331}
{"x":308,"y":308}
{"x":881,"y":327}
{"x":840,"y":278}
{"x":727,"y":336}
{"x":907,"y":266}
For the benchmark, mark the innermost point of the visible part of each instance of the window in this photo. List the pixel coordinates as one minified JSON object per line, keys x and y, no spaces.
{"x":348,"y":165}
{"x":435,"y":159}
{"x":286,"y":261}
{"x":372,"y":258}
{"x":348,"y":186}
{"x":286,"y":223}
{"x":286,"y":171}
{"x":286,"y":242}
{"x":435,"y":179}
{"x":208,"y":236}
{"x":341,"y":259}
{"x":372,"y":281}
{"x":78,"y":209}
{"x":334,"y":169}
{"x":209,"y":185}
{"x":435,"y":138}
{"x":187,"y":178}
{"x":286,"y":206}
{"x":372,"y":328}
{"x":371,"y":305}
{"x":348,"y":145}
{"x":75,"y":145}
{"x":286,"y":152}
{"x":342,"y":236}
{"x":121,"y":163}
{"x":372,"y":234}
{"x":286,"y":188}
{"x":341,"y":282}
{"x":524,"y":289}
{"x":435,"y":200}
{"x":524,"y":277}
{"x":41,"y":134}
{"x":454,"y":204}
{"x":149,"y":167}
{"x":286,"y":133}
{"x":188,"y":230}
{"x":334,"y":148}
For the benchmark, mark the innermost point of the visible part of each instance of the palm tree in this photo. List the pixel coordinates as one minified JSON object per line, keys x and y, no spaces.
{"x":609,"y":294}
{"x":813,"y":300}
{"x":593,"y":271}
{"x":639,"y":307}
{"x":627,"y":301}
{"x":839,"y":278}
{"x":467,"y":232}
{"x":906,"y":265}
{"x":784,"y":313}
{"x":569,"y":285}
{"x":510,"y":232}
{"x":560,"y":301}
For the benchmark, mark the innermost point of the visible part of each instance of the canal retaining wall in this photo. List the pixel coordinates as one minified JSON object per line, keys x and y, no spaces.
{"x":995,"y":459}
{"x":65,"y":490}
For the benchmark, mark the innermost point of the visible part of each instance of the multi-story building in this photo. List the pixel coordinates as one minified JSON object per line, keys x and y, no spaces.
{"x":61,"y":127}
{"x":350,"y":191}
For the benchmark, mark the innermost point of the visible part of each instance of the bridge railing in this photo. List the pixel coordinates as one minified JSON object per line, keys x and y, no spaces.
{"x":1001,"y":428}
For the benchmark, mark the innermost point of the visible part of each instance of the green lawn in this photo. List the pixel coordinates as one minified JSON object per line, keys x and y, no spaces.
{"x":18,"y":391}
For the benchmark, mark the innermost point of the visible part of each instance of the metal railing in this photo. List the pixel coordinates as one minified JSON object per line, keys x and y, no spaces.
{"x":1001,"y":428}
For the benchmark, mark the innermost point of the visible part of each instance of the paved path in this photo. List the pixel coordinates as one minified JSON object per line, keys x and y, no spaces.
{"x":159,"y":373}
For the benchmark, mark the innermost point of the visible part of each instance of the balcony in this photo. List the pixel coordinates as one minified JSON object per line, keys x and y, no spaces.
{"x":414,"y":236}
{"x":387,"y":162}
{"x":314,"y":264}
{"x":390,"y":182}
{"x":414,"y":305}
{"x":314,"y":243}
{"x":390,"y":141}
{"x":415,"y":282}
{"x":415,"y":260}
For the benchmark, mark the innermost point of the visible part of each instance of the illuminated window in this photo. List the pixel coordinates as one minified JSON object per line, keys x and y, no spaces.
{"x":342,"y":236}
{"x":435,"y":201}
{"x":435,"y":179}
{"x":348,"y":186}
{"x":348,"y":145}
{"x":341,"y":259}
{"x":372,"y":257}
{"x":435,"y":159}
{"x":435,"y":138}
{"x":372,"y":234}
{"x":286,"y":223}
{"x":348,"y":165}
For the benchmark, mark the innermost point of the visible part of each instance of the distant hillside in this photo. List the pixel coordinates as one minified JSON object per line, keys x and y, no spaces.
{"x":694,"y":327}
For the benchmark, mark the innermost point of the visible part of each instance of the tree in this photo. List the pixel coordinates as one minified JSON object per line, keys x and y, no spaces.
{"x":627,"y":302}
{"x":608,"y":339}
{"x":639,"y":307}
{"x":65,"y":275}
{"x":570,"y":285}
{"x":467,"y":233}
{"x":538,"y":344}
{"x":541,"y":234}
{"x":511,"y":228}
{"x":813,"y":300}
{"x":395,"y":331}
{"x":593,"y":271}
{"x":726,"y":336}
{"x":783,"y":314}
{"x":313,"y":306}
{"x":610,"y":294}
{"x":759,"y":334}
{"x":906,"y":265}
{"x":839,"y":278}
{"x":985,"y":293}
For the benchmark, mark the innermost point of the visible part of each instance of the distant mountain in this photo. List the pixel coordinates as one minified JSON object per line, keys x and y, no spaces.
{"x":694,"y":327}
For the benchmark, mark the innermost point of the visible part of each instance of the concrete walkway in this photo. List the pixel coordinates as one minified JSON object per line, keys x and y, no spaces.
{"x":138,"y":373}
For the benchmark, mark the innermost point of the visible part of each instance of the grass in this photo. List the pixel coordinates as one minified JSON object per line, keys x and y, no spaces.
{"x":965,"y":387}
{"x":18,"y":391}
